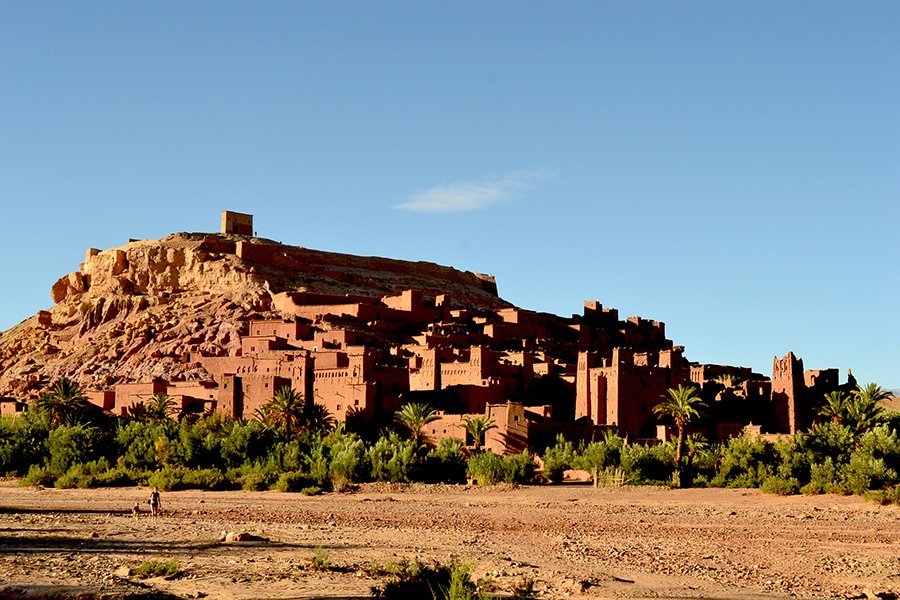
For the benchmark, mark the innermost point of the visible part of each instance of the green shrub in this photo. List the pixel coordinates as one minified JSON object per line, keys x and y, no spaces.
{"x":75,"y":477}
{"x":244,"y":442}
{"x":182,"y":478}
{"x":119,"y":478}
{"x":891,"y":419}
{"x":72,"y":445}
{"x":8,"y":434}
{"x":461,"y":585}
{"x":347,"y":460}
{"x":252,"y":477}
{"x":890,"y":495}
{"x":518,"y":468}
{"x":166,"y":479}
{"x":255,"y":480}
{"x":865,"y":473}
{"x":884,"y":443}
{"x":169,"y":569}
{"x":700,"y":461}
{"x":392,"y":458}
{"x":316,"y":463}
{"x":780,"y":485}
{"x":91,"y":474}
{"x":413,"y":580}
{"x":140,"y":441}
{"x":648,"y":464}
{"x":292,"y":481}
{"x":287,"y":456}
{"x":312,"y":490}
{"x":830,"y":440}
{"x":436,"y":582}
{"x":557,"y":459}
{"x":320,"y":561}
{"x":445,"y":464}
{"x":38,"y":475}
{"x":746,"y":461}
{"x":203,"y":479}
{"x":824,"y":478}
{"x":795,"y":458}
{"x":598,"y":456}
{"x":486,"y":468}
{"x":26,"y":441}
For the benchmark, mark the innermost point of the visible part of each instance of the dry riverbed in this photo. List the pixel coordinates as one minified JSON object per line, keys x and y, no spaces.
{"x":573,"y":541}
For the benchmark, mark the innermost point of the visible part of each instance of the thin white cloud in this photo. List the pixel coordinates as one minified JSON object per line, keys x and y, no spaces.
{"x":462,"y":197}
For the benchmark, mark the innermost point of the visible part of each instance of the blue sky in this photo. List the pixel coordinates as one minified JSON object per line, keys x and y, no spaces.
{"x":732,"y":169}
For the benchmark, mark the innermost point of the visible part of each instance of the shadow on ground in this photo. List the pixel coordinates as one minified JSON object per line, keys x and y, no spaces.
{"x":59,"y":592}
{"x":56,"y":543}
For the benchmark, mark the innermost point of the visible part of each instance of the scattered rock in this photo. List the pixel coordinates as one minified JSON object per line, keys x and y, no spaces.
{"x":230,"y":537}
{"x":123,"y":572}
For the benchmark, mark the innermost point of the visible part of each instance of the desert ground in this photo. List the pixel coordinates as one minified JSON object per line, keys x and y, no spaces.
{"x":573,"y":541}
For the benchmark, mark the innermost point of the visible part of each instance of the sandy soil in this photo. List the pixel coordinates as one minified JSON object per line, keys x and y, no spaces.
{"x":575,"y":541}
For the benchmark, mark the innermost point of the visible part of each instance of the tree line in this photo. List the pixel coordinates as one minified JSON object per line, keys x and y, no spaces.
{"x":293,"y":444}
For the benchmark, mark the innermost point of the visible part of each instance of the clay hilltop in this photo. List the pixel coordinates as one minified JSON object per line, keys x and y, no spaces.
{"x":134,"y":312}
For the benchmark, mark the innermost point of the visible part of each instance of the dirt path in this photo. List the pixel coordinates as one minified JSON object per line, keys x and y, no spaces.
{"x":576,"y":542}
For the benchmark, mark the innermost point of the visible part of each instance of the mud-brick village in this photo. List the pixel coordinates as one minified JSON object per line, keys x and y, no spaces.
{"x":449,"y":301}
{"x":220,"y":322}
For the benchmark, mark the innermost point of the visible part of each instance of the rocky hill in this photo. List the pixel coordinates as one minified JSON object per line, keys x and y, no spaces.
{"x":135,"y":311}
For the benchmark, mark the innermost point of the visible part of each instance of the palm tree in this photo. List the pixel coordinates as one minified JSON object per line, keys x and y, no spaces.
{"x":682,"y":405}
{"x":695,"y":444}
{"x":477,"y":427}
{"x":288,"y":411}
{"x":160,"y":407}
{"x":65,"y":402}
{"x":413,"y":417}
{"x":728,"y":379}
{"x":873,"y":393}
{"x":284,"y":410}
{"x":863,"y":411}
{"x":316,"y":417}
{"x":138,"y":411}
{"x":835,"y":407}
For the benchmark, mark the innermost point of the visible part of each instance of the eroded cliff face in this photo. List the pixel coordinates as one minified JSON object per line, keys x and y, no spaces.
{"x":135,"y":312}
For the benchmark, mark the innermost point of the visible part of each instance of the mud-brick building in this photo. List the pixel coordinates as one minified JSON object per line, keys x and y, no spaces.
{"x":536,"y":375}
{"x":186,"y":396}
{"x":622,"y":390}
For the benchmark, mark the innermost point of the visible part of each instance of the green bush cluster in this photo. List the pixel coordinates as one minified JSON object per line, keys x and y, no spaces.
{"x":215,"y":452}
{"x":427,"y":581}
{"x":169,"y":569}
{"x":828,"y":458}
{"x":638,"y":463}
{"x":488,"y":468}
{"x":557,"y":459}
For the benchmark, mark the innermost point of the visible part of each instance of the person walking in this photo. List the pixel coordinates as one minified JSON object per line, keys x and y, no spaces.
{"x":154,"y":502}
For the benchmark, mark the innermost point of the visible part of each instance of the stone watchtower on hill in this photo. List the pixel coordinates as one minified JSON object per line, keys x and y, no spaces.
{"x":237,"y":223}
